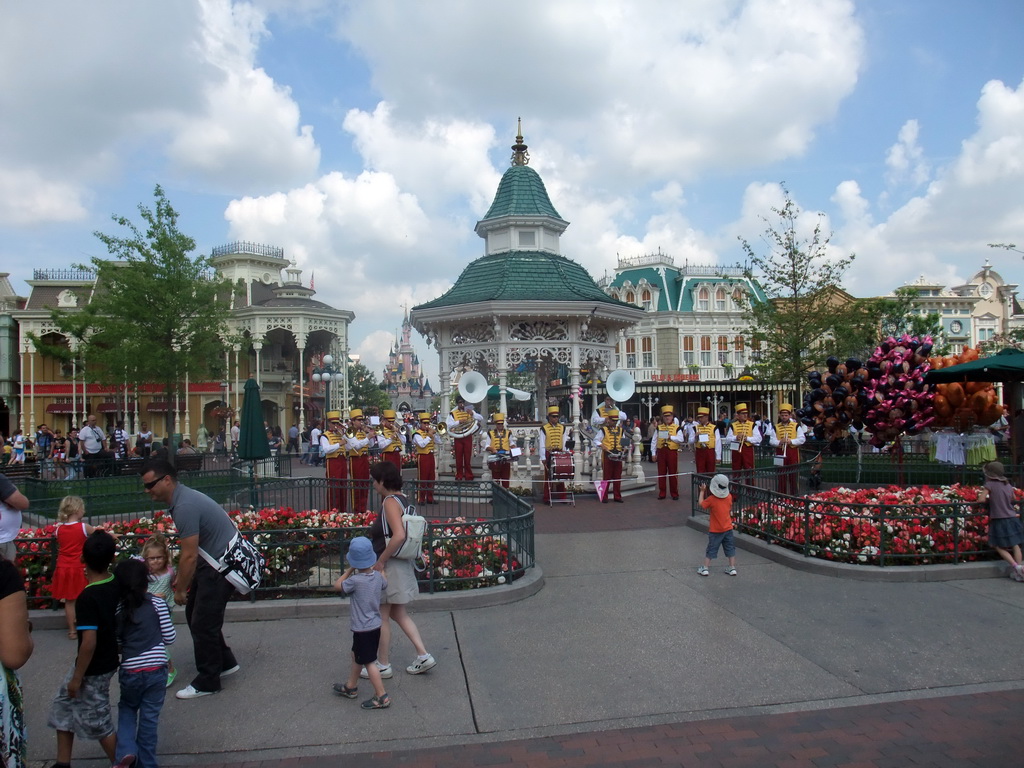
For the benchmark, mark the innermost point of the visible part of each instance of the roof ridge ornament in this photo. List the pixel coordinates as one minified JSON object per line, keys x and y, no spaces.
{"x":519,"y":154}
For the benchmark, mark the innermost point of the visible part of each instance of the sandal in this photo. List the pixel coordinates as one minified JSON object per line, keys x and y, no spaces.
{"x":343,"y":690}
{"x":377,"y":702}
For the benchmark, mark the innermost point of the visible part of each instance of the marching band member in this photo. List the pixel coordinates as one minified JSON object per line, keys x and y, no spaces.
{"x":604,"y":411}
{"x":359,"y":458}
{"x":553,"y":438}
{"x":425,"y":441}
{"x":497,"y":442}
{"x":332,"y":448}
{"x":390,"y":439}
{"x":457,"y":420}
{"x":744,"y":437}
{"x":703,"y":441}
{"x":665,"y":444}
{"x":613,"y":444}
{"x":785,"y":437}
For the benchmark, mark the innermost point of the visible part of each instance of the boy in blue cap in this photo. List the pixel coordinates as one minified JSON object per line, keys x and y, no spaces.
{"x":366,"y":586}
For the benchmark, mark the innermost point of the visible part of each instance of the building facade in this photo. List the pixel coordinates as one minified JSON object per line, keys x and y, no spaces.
{"x":276,"y":333}
{"x":406,"y":384}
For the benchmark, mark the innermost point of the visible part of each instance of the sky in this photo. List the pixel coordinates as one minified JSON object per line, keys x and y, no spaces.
{"x":368,"y":138}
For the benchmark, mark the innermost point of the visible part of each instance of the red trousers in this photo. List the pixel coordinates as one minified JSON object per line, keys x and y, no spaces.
{"x":705,"y":459}
{"x":788,"y":472}
{"x":464,"y":458}
{"x":500,"y":472}
{"x":395,"y":457}
{"x":668,"y":469}
{"x":359,"y":471}
{"x":612,"y":475}
{"x":337,"y":483}
{"x":426,"y":477}
{"x":743,"y":463}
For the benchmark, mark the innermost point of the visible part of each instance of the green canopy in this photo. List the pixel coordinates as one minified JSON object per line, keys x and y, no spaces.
{"x":252,"y":438}
{"x":1007,"y":366}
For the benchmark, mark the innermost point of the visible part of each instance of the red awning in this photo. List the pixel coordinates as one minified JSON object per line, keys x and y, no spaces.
{"x":112,"y":407}
{"x":60,"y":408}
{"x":161,"y":406}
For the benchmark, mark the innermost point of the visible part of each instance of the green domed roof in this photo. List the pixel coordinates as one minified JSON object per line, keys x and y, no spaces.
{"x":522,"y":276}
{"x":521,"y":193}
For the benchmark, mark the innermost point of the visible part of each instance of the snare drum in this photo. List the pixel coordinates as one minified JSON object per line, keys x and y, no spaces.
{"x":560,"y":465}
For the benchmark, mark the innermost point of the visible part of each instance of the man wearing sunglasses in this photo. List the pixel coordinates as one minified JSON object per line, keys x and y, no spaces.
{"x":204,"y":533}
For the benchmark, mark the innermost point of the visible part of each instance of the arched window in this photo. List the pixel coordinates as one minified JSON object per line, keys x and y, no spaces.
{"x":703,"y":299}
{"x":689,"y":357}
{"x":705,"y":350}
{"x":631,"y":353}
{"x":737,"y":299}
{"x":720,"y":300}
{"x":739,"y":355}
{"x":647,"y":352}
{"x":755,"y":351}
{"x":645,"y":300}
{"x":723,"y":350}
{"x":630,"y":297}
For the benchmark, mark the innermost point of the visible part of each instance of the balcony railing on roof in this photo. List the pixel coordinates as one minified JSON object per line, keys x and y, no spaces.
{"x":644,"y":260}
{"x":255,"y":249}
{"x":79,"y":275}
{"x":693,"y":270}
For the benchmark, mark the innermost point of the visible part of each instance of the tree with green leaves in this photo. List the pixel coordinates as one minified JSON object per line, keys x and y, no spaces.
{"x":364,"y":391}
{"x":157,"y":315}
{"x":797,"y":327}
{"x":900,"y":314}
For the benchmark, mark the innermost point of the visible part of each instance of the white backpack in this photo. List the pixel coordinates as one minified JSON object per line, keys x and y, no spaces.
{"x":415,"y":529}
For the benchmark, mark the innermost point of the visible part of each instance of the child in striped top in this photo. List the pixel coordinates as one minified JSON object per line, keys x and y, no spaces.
{"x":157,"y":555}
{"x":144,"y":632}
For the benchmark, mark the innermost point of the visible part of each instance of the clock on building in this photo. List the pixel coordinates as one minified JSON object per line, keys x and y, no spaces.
{"x":956,"y":326}
{"x":985,"y":289}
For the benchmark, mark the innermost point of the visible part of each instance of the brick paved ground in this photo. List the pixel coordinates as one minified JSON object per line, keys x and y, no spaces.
{"x":954,"y":731}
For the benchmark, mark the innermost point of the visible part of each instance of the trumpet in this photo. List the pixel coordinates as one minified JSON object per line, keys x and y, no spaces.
{"x":441,"y":428}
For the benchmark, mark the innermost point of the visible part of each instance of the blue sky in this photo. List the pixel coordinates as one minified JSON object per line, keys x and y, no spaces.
{"x":368,"y":138}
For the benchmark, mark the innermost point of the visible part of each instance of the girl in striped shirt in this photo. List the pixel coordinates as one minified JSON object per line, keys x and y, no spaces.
{"x":144,"y":632}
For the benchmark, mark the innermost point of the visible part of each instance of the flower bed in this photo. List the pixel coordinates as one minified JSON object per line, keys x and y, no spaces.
{"x":463,"y":554}
{"x":891,"y":525}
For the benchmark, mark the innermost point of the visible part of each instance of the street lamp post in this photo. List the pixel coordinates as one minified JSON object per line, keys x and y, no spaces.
{"x":650,"y":401}
{"x":714,"y":402}
{"x":227,"y":415}
{"x":766,"y":399}
{"x":326,"y":372}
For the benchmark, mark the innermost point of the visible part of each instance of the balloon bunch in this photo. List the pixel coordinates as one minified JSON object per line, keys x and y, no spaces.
{"x":885,"y":395}
{"x":962,"y":405}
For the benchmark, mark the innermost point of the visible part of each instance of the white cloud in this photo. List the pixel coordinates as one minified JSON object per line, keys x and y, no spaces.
{"x":974,"y":200}
{"x":652,"y":89}
{"x":906,"y":161}
{"x":122,"y":85}
{"x":27,"y":199}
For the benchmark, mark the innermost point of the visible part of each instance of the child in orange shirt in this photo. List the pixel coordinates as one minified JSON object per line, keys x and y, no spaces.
{"x":719,"y":506}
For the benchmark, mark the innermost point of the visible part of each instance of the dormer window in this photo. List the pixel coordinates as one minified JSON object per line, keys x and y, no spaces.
{"x":645,"y":300}
{"x":720,"y":300}
{"x":528,"y":238}
{"x":703,"y":299}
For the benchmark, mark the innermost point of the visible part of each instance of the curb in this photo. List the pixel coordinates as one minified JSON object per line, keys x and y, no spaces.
{"x":887,"y":574}
{"x":327,"y":607}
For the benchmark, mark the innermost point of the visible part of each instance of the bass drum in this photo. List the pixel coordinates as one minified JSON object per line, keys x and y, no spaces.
{"x":561,"y":465}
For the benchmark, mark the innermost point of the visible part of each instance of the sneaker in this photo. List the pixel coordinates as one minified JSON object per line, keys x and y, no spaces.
{"x":703,"y":571}
{"x":230,"y":671}
{"x":171,"y":677}
{"x":420,"y":666}
{"x":377,"y":702}
{"x":125,"y":762}
{"x":188,"y":692}
{"x":386,"y":673}
{"x":343,"y":690}
{"x":730,"y":571}
{"x":1019,"y":571}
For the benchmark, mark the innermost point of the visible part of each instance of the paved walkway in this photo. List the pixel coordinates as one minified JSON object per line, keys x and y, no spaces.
{"x":626,"y":657}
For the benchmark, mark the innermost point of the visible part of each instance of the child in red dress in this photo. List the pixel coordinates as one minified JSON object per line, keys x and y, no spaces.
{"x":69,"y":576}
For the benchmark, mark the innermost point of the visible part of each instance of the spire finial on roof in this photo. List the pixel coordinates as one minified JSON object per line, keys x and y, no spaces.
{"x":519,"y":154}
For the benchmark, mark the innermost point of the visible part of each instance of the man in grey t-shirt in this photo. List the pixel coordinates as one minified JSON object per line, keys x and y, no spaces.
{"x":204,"y":532}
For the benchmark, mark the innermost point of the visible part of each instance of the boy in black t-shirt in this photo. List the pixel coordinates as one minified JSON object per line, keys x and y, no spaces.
{"x":82,"y":704}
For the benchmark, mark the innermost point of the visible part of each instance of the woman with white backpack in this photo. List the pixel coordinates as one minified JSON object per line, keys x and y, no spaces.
{"x":388,"y":534}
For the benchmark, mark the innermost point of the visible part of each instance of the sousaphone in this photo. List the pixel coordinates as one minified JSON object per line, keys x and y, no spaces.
{"x":473,"y":388}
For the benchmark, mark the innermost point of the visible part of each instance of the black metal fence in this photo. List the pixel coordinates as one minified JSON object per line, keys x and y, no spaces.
{"x":892,"y":529}
{"x":478,"y":534}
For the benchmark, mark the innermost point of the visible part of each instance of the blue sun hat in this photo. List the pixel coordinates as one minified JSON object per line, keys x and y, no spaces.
{"x":360,"y":553}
